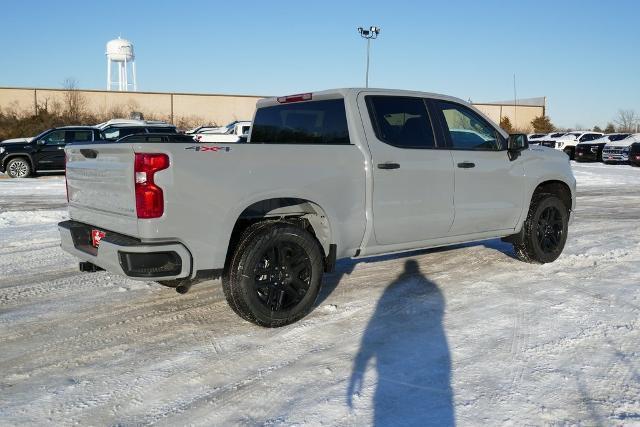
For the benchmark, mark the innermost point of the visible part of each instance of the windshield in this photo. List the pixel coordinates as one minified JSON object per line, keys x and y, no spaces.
{"x":557,"y":135}
{"x":618,"y":137}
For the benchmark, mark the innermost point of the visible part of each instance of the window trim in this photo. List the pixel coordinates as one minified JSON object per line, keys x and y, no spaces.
{"x":373,"y":117}
{"x":346,"y":119}
{"x":446,"y":133}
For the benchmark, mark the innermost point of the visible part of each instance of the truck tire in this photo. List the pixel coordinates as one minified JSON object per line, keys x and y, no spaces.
{"x":274,"y":275}
{"x":544,"y":231}
{"x":18,"y":167}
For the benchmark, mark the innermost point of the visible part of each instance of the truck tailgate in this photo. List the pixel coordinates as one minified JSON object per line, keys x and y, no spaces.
{"x":100,"y":186}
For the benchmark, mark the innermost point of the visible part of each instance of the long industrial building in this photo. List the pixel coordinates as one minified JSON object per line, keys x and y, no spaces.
{"x":196,"y":108}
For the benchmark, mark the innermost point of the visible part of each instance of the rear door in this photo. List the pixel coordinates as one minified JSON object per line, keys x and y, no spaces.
{"x":412,"y":174}
{"x":489,"y":187}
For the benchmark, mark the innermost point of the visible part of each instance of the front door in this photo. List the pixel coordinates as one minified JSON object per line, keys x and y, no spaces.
{"x":50,"y":151}
{"x":412,"y":174}
{"x":489,"y":186}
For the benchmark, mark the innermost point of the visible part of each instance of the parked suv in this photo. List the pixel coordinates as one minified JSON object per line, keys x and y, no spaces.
{"x":325,"y":175}
{"x":118,"y":128}
{"x":591,"y":151}
{"x":44,"y":152}
{"x":618,"y":151}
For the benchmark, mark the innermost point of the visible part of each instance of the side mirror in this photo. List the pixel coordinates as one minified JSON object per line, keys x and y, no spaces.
{"x":242,"y":139}
{"x":518,"y":142}
{"x":41,"y":142}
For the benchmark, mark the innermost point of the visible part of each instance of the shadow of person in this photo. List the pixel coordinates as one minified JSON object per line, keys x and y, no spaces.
{"x":406,"y":338}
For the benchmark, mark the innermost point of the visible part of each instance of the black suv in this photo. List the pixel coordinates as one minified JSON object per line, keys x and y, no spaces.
{"x":119,"y":128}
{"x":45,"y":152}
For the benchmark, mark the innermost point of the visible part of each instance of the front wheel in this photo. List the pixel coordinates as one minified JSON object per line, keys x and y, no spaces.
{"x":18,"y":168}
{"x":544,"y":230}
{"x":274,"y":275}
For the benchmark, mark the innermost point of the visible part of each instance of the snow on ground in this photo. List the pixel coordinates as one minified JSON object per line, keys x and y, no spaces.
{"x":464,"y":334}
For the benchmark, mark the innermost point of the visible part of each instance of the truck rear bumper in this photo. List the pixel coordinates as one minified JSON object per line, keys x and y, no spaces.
{"x":125,"y":255}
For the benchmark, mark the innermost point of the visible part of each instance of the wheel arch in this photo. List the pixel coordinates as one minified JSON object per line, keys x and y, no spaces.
{"x":308,"y":214}
{"x":557,"y":188}
{"x":11,"y":156}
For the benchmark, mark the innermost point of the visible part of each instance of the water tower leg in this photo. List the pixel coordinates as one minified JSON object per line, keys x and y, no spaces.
{"x":108,"y":73}
{"x":135,"y":81}
{"x":120,"y":75}
{"x":126,"y":76}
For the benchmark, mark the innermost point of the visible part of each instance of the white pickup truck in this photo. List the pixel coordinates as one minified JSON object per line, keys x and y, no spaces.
{"x":233,"y":132}
{"x":324,"y":175}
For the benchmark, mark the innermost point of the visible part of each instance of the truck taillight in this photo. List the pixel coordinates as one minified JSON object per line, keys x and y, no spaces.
{"x":149,"y":197}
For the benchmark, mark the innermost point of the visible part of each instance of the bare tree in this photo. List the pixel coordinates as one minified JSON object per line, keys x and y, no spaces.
{"x":74,"y":102}
{"x":627,"y":121}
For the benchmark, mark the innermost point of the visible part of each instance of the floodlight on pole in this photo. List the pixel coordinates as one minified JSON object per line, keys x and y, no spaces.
{"x":370,"y":34}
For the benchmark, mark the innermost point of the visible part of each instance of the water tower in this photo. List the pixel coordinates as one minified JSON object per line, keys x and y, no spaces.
{"x":120,"y":53}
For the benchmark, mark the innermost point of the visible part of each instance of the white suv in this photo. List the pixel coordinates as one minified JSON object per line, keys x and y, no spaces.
{"x":618,"y":151}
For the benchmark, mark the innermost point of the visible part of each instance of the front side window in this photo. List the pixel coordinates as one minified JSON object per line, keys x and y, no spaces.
{"x":401,"y":121}
{"x":467,"y":130}
{"x":55,"y":138}
{"x":313,"y":122}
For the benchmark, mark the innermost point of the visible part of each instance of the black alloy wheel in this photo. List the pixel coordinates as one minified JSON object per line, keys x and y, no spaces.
{"x":550,"y":229}
{"x":283,"y":276}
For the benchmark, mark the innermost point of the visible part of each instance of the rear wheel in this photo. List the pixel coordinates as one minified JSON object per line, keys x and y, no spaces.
{"x":274,"y":275}
{"x":545,"y":230}
{"x":18,"y":168}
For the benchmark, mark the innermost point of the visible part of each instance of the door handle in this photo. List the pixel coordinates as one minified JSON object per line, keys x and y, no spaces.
{"x":466,"y":165}
{"x":388,"y":165}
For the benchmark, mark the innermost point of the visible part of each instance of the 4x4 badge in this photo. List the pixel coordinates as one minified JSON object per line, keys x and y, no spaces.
{"x":208,"y":148}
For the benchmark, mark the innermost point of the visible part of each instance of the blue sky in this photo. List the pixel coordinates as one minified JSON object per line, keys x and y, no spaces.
{"x":582,"y":55}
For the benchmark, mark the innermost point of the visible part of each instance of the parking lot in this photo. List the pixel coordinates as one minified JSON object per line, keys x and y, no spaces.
{"x":469,"y":333}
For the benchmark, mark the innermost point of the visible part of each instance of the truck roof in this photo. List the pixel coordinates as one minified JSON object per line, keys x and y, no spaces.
{"x":344,"y":92}
{"x":353,"y":92}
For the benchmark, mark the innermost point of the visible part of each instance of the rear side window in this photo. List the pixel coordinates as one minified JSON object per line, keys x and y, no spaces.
{"x":161,"y":129}
{"x":400,"y":121}
{"x":315,"y":122}
{"x":79,"y":135}
{"x":467,"y":130}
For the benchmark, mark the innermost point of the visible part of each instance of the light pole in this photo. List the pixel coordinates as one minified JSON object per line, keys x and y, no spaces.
{"x":371,"y":33}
